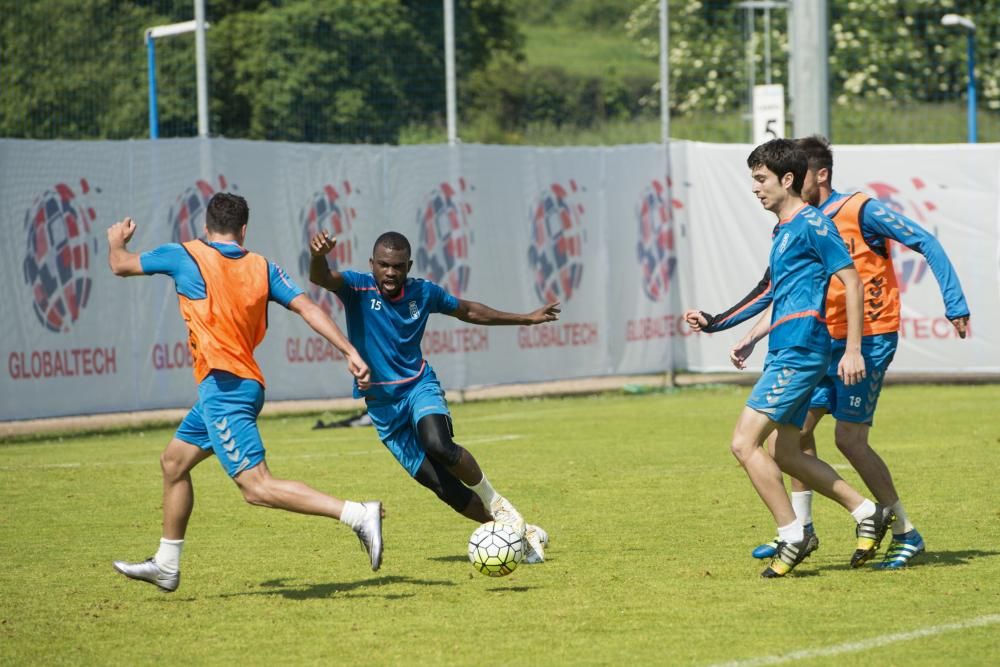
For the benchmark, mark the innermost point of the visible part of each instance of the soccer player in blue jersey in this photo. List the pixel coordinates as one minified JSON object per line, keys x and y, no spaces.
{"x":223,"y":291}
{"x":867,"y":227}
{"x":806,"y":251}
{"x":386,"y":316}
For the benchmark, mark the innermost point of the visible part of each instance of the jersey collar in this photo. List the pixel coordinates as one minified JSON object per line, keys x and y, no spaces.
{"x":792,"y":216}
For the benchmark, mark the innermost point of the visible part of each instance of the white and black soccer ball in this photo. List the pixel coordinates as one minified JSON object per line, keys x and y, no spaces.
{"x":495,"y":548}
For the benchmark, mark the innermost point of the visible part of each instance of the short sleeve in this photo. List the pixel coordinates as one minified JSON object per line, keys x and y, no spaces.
{"x":440,"y":300}
{"x":830,"y":246}
{"x":347,"y":291}
{"x":282,"y":288}
{"x":165,"y":259}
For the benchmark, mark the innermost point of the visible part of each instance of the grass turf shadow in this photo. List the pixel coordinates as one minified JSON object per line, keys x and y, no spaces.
{"x":927,"y":559}
{"x":307,"y":591}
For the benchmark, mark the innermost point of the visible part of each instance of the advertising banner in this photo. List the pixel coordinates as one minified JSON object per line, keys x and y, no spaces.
{"x":625,"y":238}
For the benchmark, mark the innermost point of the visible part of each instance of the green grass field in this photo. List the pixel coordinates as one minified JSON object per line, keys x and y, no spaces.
{"x":651,"y":522}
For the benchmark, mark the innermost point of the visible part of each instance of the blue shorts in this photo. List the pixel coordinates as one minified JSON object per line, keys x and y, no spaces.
{"x":396,"y":421}
{"x":786,"y":385}
{"x":225,"y":420}
{"x":857,"y":403}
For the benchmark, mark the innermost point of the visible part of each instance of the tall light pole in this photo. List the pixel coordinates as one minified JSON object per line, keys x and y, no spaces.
{"x":970,"y":27}
{"x":449,"y":71}
{"x":198,"y":26}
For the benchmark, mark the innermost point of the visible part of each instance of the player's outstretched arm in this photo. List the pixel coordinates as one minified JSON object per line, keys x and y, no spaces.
{"x":879,"y":220}
{"x":321,"y":323}
{"x":757,"y":300}
{"x":122,"y":262}
{"x":320,"y":273}
{"x":474,"y":312}
{"x":851,"y":368}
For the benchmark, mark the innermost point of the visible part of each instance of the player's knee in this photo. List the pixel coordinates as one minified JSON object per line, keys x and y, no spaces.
{"x":256,"y":495}
{"x":255,"y":489}
{"x":436,"y":437}
{"x":742,"y":448}
{"x":172,"y":466}
{"x":445,"y":486}
{"x":851,"y":439}
{"x":786,"y":457}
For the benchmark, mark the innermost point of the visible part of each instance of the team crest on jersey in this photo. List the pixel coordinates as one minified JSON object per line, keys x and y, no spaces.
{"x":414,"y":311}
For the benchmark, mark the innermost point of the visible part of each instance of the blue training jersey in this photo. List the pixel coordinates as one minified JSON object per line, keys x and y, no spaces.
{"x":387,"y":333}
{"x":879,"y":222}
{"x":806,"y":251}
{"x":173,"y":260}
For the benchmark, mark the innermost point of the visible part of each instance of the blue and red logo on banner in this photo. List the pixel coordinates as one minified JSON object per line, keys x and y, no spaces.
{"x":329,"y":211}
{"x":187,"y":215}
{"x":656,"y":248}
{"x":557,"y":239}
{"x":60,"y":245}
{"x":445,"y":237}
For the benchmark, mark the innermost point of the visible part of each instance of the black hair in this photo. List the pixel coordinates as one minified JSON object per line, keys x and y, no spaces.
{"x":226,"y":213}
{"x":392,"y":241}
{"x":781,"y":156}
{"x":818,"y":152}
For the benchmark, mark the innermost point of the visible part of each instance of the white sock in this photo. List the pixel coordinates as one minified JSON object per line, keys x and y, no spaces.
{"x":902,"y":523}
{"x":863,"y":511}
{"x":792,"y":532}
{"x":168,"y":556}
{"x":802,"y":503}
{"x":353,"y":514}
{"x":485,"y":491}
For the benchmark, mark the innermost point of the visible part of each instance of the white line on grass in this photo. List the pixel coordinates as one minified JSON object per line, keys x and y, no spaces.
{"x":865,"y":644}
{"x":282,"y":457}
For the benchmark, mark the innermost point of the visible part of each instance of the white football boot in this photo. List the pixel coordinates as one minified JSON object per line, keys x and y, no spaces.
{"x":536,"y":540}
{"x":149,"y":571}
{"x":503,"y":512}
{"x":370,"y":532}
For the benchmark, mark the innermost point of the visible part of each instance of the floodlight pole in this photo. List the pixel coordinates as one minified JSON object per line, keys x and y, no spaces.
{"x":169,"y":30}
{"x":201,"y":64}
{"x":970,"y":27}
{"x":971,"y":112}
{"x":154,"y":119}
{"x":449,"y":71}
{"x":664,"y":74}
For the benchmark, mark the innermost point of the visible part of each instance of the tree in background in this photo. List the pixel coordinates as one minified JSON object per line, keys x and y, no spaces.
{"x":890,"y":52}
{"x":294,"y":70}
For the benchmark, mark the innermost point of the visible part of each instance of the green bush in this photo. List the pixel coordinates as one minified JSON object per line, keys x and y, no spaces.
{"x":515,"y":95}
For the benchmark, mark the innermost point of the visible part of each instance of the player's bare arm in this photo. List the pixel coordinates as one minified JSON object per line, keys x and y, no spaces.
{"x":474,"y":312}
{"x":122,"y":262}
{"x":851,"y":368}
{"x":321,"y":245}
{"x":321,"y":323}
{"x":740,"y":352}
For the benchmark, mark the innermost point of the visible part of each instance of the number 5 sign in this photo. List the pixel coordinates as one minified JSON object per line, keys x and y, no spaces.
{"x":768,"y":112}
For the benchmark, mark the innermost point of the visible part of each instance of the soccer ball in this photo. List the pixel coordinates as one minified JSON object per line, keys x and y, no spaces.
{"x":496,"y":549}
